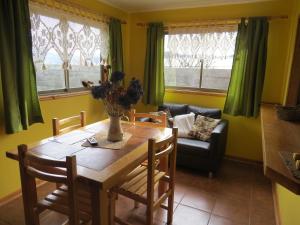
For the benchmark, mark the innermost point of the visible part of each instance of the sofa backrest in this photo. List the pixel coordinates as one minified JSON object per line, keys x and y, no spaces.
{"x":175,"y":109}
{"x":209,"y":112}
{"x":179,"y":109}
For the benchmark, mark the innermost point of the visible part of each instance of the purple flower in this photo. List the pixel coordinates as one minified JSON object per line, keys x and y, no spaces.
{"x":117,"y":76}
{"x":101,"y":90}
{"x":124,"y":101}
{"x":134,"y":90}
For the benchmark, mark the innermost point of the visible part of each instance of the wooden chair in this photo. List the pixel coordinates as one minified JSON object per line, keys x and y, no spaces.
{"x":58,"y":123}
{"x":133,"y":116}
{"x":68,"y":199}
{"x":144,"y":179}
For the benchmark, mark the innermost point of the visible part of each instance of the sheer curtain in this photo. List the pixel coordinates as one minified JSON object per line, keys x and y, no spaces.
{"x":66,"y":46}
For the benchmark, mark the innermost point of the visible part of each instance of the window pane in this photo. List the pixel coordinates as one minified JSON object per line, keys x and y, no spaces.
{"x":80,"y":71}
{"x":50,"y":74}
{"x":190,"y":57}
{"x":182,"y":77}
{"x":85,"y":60}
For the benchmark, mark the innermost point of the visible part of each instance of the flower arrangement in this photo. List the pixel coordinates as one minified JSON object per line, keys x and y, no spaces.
{"x":116,"y":98}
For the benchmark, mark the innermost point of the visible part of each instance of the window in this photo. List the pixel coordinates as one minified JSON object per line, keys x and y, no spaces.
{"x":66,"y":51}
{"x":201,"y":60}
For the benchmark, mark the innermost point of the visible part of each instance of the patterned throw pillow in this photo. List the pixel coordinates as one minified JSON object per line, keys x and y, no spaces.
{"x":203,"y":127}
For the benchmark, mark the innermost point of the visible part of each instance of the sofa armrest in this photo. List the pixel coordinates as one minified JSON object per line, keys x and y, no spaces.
{"x":218,"y":142}
{"x":220,"y":128}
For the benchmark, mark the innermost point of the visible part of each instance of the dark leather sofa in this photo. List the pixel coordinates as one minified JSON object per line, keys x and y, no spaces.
{"x":196,"y":154}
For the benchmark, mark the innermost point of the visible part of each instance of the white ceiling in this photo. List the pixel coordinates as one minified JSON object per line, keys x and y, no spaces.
{"x":152,"y":5}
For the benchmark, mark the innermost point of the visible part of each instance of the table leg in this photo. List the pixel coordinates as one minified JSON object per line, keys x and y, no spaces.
{"x":95,"y":202}
{"x":100,"y":206}
{"x":104,"y":207}
{"x":163,"y":166}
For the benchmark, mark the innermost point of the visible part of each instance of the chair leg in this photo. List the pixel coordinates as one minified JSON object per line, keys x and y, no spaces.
{"x":36,"y":217}
{"x":170,"y":208}
{"x":149,"y":216}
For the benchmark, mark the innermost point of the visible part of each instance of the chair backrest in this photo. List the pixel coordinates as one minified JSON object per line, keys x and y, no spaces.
{"x":158,"y":150}
{"x":32,"y":167}
{"x":161,"y":118}
{"x":57,"y":124}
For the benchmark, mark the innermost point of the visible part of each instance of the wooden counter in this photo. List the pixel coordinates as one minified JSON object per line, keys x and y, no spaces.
{"x":279,"y":135}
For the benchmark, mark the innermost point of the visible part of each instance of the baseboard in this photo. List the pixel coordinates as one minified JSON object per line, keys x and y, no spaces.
{"x":243,"y":160}
{"x":276,"y":205}
{"x":16,"y":194}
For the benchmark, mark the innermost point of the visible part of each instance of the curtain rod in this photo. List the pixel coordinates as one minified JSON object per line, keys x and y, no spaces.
{"x":78,"y":8}
{"x":225,"y":21}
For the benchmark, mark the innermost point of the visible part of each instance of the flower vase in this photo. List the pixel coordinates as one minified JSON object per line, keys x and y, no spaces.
{"x":115,"y":132}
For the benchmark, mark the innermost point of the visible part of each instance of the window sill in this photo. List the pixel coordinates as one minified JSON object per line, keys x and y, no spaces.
{"x":196,"y":92}
{"x":54,"y":96}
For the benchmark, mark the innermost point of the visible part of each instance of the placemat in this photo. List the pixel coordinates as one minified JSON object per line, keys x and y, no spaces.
{"x":104,"y":143}
{"x":72,"y":137}
{"x":290,"y":163}
{"x":56,"y":150}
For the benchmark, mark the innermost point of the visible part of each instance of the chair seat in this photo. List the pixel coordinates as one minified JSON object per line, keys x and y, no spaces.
{"x":136,"y":181}
{"x":58,"y":201}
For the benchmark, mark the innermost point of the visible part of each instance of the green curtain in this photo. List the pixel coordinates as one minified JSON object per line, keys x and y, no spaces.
{"x":154,"y":82}
{"x":248,"y":69}
{"x":115,"y":45}
{"x":20,"y":97}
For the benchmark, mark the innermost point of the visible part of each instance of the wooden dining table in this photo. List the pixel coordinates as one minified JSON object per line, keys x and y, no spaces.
{"x":99,"y":168}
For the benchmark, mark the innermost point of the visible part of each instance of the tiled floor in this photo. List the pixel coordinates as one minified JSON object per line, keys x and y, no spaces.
{"x":238,"y":195}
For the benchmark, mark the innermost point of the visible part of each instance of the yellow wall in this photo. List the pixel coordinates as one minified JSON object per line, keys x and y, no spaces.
{"x":289,"y":203}
{"x":9,"y":176}
{"x":244,"y":134}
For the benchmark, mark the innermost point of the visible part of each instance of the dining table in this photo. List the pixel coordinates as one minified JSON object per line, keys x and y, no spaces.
{"x":99,"y":168}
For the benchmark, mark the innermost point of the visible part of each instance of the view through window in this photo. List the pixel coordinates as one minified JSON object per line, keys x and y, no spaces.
{"x":66,"y":52}
{"x":199,"y":60}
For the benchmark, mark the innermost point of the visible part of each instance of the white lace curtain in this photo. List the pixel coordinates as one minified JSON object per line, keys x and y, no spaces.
{"x":194,"y":45}
{"x":75,"y":39}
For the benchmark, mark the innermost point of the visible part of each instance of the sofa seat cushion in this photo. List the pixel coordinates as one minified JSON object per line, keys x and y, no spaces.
{"x":193,"y":147}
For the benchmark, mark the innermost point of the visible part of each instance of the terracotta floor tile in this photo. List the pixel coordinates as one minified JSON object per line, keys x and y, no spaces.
{"x":180,"y":191}
{"x":235,"y":188}
{"x":196,"y":198}
{"x":218,"y":220}
{"x":262,"y":210}
{"x":234,"y":208}
{"x":185,"y":215}
{"x":262,"y":192}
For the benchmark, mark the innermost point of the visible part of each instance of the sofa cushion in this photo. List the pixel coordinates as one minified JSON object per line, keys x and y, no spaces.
{"x":175,"y":109}
{"x":210,"y":112}
{"x":193,"y":147}
{"x":184,"y":123}
{"x":203,"y":127}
